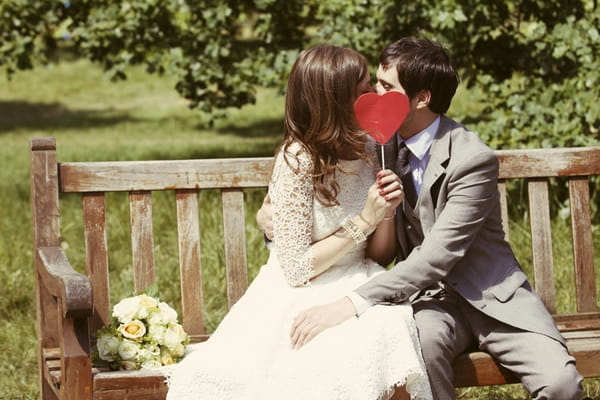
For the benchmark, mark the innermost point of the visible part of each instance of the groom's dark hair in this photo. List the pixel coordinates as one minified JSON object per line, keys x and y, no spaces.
{"x":423,"y":64}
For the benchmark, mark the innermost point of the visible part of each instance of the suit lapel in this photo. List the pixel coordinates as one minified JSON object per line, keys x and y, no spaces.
{"x":436,"y":168}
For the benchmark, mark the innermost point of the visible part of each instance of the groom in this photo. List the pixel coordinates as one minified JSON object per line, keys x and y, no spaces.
{"x":453,"y":263}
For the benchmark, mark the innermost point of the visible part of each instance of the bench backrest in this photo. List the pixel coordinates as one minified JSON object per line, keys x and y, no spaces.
{"x":536,"y":166}
{"x":232,"y":176}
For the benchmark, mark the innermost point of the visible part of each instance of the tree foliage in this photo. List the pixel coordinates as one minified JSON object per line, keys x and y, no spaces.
{"x":536,"y":60}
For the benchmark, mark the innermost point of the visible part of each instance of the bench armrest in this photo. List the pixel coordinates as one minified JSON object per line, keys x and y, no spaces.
{"x":72,"y":288}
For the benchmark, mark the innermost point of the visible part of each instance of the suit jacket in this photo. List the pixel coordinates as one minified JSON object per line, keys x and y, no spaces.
{"x":463,"y":246}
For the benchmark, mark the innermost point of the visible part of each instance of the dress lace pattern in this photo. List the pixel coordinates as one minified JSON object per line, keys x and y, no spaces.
{"x":248,"y":357}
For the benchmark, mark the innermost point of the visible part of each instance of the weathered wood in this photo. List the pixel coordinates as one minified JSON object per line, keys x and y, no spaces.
{"x":580,"y":321}
{"x":96,"y":257}
{"x":76,"y":366}
{"x":142,"y":240}
{"x":67,"y":299}
{"x":544,"y":163}
{"x":585,"y":347}
{"x":583,"y":245}
{"x":479,"y":368}
{"x":46,"y":232}
{"x":139,"y":385}
{"x":188,"y":231}
{"x":63,"y":282}
{"x":183,"y":174}
{"x":504,"y":209}
{"x":234,"y":238}
{"x":541,"y":242}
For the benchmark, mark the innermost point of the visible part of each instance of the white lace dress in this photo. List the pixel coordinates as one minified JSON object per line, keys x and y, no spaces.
{"x":249,"y":356}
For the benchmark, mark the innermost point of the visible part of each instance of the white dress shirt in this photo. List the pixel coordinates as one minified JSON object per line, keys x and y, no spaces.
{"x":419,"y":146}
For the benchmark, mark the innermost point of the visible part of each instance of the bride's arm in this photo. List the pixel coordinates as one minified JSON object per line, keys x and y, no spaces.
{"x":292,"y":195}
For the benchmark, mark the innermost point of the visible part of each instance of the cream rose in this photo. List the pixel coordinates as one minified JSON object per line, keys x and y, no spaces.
{"x":165,"y":357}
{"x":178,"y":351}
{"x":133,"y":330}
{"x":129,"y":365}
{"x":173,"y":336}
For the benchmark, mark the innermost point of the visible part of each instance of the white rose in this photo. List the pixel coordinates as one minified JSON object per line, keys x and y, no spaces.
{"x":171,"y":338}
{"x":126,"y":309}
{"x":145,"y":355}
{"x":128,"y":350}
{"x":108,"y":347}
{"x":168,"y":314}
{"x":151,"y":363}
{"x":157,"y":332}
{"x":145,"y":304}
{"x":156,"y":318}
{"x":133,"y":330}
{"x":153,"y":349}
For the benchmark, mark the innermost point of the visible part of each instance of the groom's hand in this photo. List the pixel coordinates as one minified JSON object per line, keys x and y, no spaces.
{"x":310,"y":322}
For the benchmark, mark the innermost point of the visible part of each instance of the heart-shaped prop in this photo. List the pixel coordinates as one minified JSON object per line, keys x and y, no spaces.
{"x":381,"y":116}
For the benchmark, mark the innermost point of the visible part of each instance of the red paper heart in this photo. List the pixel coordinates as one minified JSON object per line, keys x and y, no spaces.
{"x":381,"y":116}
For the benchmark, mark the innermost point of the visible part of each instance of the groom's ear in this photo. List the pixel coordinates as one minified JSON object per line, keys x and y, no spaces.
{"x":423,"y":98}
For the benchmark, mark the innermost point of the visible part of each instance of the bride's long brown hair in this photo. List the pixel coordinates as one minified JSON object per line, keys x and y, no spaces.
{"x":319,"y":112}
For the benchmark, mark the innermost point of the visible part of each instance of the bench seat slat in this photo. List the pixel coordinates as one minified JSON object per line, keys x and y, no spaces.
{"x":144,"y":384}
{"x":579,"y":321}
{"x":475,"y":368}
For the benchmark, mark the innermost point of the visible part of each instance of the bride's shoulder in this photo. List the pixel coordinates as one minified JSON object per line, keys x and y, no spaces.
{"x":295,"y":157}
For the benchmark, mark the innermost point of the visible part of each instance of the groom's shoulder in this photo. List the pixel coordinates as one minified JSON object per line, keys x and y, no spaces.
{"x":462,"y":137}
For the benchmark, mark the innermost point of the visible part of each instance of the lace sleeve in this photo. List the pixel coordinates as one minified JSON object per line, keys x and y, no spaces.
{"x":292,"y":194}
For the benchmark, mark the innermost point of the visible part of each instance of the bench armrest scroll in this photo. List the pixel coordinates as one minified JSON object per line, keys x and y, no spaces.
{"x":73,"y":289}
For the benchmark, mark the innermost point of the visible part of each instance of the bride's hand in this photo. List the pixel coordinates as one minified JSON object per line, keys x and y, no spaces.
{"x":384,"y":196}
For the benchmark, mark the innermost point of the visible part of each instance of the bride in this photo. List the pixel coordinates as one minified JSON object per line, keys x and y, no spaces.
{"x":332,"y":220}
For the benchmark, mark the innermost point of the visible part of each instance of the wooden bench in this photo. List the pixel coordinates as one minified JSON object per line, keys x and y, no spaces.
{"x":72,"y":305}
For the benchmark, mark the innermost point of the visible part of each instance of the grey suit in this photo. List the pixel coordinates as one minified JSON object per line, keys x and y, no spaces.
{"x":487,"y":295}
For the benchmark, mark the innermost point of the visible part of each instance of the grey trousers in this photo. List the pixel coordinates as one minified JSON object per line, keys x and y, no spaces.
{"x":448,"y":326}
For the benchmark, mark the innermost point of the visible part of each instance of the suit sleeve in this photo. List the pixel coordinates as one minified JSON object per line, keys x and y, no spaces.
{"x":472,"y":193}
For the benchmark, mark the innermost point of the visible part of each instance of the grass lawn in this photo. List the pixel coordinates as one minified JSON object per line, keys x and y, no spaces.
{"x":142,"y":118}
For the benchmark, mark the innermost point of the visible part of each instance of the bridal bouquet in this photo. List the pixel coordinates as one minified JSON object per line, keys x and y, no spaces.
{"x":144,"y":333}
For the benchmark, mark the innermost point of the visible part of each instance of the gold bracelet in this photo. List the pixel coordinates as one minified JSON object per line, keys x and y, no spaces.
{"x":390,"y":217}
{"x":350,"y":226}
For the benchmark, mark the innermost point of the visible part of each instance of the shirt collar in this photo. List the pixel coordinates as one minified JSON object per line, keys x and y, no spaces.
{"x":420,"y":143}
